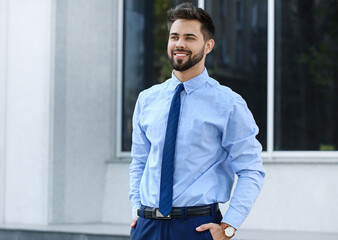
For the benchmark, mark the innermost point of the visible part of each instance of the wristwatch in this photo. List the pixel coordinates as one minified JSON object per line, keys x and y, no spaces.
{"x":229,"y":231}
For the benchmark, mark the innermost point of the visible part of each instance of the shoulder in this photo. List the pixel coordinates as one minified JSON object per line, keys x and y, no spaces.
{"x":232,"y":104}
{"x":153,"y":92}
{"x":224,"y":93}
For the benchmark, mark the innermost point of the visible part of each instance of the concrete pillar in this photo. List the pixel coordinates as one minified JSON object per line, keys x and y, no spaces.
{"x":26,"y":30}
{"x":3,"y":81}
{"x":84,"y":103}
{"x":58,"y":79}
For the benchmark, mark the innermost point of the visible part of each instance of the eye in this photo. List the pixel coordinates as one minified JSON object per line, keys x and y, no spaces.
{"x":174,"y":37}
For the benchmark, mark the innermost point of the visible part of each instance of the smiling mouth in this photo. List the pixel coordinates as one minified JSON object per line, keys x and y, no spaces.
{"x":180,"y":54}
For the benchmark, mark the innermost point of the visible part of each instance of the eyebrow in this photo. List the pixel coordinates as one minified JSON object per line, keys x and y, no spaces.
{"x":186,"y":34}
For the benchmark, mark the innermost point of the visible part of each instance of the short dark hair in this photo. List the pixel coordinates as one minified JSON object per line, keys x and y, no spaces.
{"x":188,"y":11}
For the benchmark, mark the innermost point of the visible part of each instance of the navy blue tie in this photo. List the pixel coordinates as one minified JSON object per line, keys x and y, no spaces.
{"x":167,"y":171}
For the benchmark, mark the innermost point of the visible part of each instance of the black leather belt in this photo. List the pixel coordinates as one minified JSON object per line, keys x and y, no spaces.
{"x":178,"y":212}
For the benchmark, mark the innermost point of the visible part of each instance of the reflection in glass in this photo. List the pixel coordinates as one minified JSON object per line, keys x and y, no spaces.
{"x":306,"y":75}
{"x":239,"y":57}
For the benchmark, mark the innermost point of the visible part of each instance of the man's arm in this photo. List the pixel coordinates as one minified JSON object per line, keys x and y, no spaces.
{"x":239,"y":140}
{"x":244,"y":150}
{"x":139,"y":153}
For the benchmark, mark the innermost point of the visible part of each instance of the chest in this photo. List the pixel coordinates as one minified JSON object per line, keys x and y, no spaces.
{"x":199,"y":115}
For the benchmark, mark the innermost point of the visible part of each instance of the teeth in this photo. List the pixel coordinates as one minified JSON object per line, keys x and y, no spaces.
{"x":181,"y":55}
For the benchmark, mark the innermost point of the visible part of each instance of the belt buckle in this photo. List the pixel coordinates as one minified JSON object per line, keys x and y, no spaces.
{"x":158,"y":215}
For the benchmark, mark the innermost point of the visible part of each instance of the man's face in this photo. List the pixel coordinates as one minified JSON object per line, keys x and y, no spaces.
{"x":186,"y":45}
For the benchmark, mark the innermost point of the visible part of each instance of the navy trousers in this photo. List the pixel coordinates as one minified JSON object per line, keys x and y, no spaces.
{"x":183,"y":228}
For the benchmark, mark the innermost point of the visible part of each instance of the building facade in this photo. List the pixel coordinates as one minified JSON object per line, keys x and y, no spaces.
{"x":70,"y":73}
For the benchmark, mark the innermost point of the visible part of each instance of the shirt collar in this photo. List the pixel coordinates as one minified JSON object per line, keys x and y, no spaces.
{"x":191,"y":84}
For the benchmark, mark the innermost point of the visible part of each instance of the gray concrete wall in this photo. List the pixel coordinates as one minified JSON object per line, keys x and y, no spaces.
{"x":116,"y":207}
{"x":84,"y":113}
{"x":298,"y":197}
{"x":57,"y":109}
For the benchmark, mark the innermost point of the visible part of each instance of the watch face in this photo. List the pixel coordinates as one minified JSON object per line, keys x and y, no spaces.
{"x":229,"y":231}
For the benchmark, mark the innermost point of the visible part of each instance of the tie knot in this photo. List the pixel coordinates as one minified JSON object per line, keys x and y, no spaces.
{"x":179,"y":88}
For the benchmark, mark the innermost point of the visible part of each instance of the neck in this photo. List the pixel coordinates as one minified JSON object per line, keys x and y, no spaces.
{"x":189,"y":73}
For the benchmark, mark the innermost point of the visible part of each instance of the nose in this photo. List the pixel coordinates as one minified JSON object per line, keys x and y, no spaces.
{"x":180,"y":44}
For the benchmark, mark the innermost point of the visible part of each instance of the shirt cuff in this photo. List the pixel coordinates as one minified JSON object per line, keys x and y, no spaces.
{"x":134,"y":210}
{"x":233,"y":217}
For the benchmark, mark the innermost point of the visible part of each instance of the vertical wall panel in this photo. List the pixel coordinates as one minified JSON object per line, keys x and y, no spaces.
{"x":84,"y":97}
{"x":3,"y":82}
{"x":28,"y":111}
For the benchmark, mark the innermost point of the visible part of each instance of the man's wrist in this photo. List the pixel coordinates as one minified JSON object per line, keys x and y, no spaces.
{"x":229,"y":231}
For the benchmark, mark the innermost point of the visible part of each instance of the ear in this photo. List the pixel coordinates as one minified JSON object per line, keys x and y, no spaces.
{"x":209,"y":45}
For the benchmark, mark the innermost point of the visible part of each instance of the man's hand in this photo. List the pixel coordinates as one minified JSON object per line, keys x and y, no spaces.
{"x":216,"y":231}
{"x":133,"y":222}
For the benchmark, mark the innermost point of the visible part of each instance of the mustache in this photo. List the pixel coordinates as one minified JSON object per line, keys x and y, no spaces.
{"x":180,"y":50}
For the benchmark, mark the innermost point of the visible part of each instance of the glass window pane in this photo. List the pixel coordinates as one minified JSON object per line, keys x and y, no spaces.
{"x":239,"y":59}
{"x":144,"y":55}
{"x":306,"y":75}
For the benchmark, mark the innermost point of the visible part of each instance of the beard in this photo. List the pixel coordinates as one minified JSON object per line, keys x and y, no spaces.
{"x":181,"y":66}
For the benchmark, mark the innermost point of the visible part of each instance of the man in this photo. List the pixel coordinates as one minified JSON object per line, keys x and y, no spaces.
{"x":190,"y":137}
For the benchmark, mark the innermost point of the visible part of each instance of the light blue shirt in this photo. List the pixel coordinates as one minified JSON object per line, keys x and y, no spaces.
{"x":216,"y":139}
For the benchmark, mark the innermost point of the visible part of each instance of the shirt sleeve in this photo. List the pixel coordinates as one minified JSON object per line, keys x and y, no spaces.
{"x":139,"y":153}
{"x":239,"y":140}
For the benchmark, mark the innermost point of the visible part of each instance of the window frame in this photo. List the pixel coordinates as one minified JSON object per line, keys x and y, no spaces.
{"x":269,"y":156}
{"x":120,"y":32}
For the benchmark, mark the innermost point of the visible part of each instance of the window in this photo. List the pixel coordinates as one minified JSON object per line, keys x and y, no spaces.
{"x":302,"y":113}
{"x":306,"y":75}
